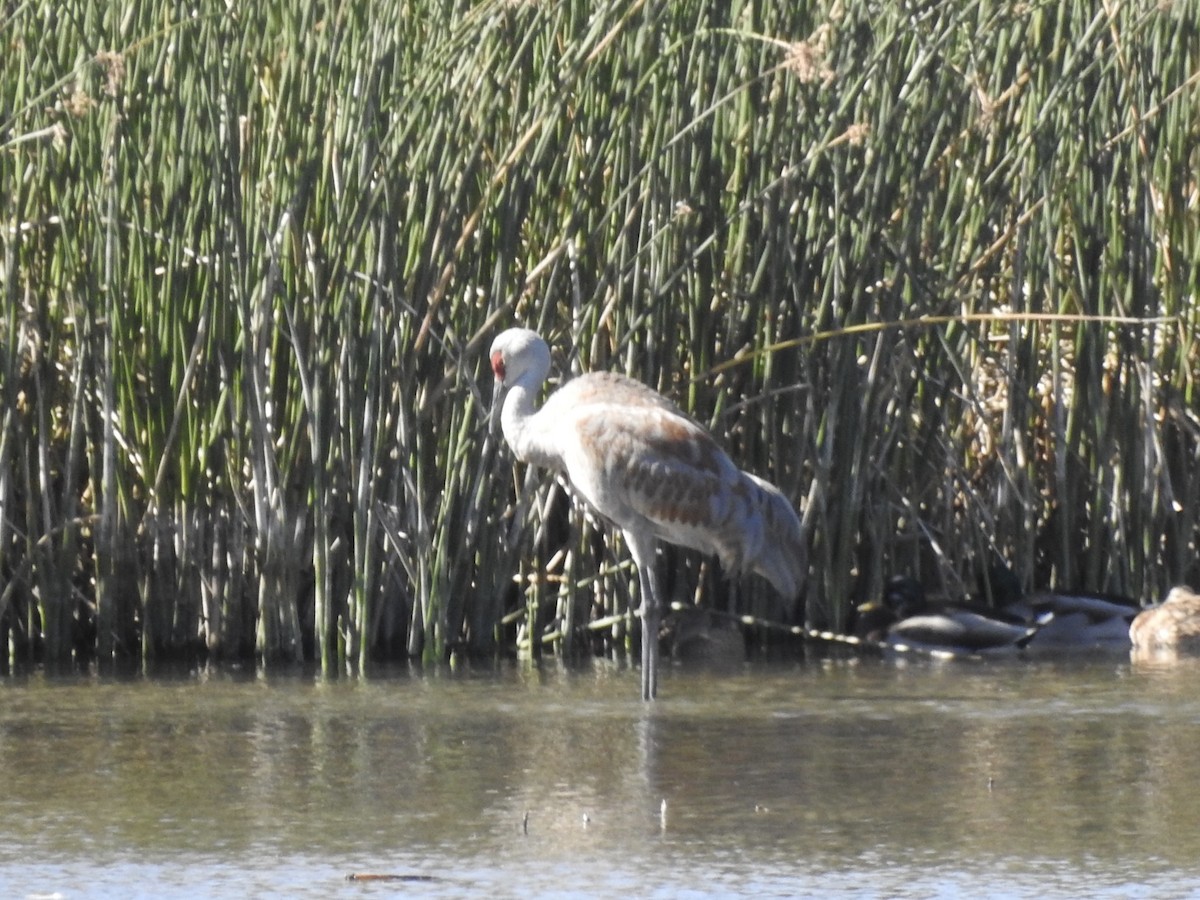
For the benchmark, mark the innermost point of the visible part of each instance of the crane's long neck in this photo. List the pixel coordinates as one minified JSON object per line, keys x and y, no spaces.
{"x":523,"y":430}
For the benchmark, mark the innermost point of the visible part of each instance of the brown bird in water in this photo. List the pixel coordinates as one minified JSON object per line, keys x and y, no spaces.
{"x":1172,"y":625}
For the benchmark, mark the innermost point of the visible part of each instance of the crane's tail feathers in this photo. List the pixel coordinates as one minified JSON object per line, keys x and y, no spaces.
{"x":779,"y":554}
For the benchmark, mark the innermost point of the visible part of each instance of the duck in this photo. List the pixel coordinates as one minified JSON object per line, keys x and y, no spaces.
{"x":904,"y":620}
{"x":1173,"y":624}
{"x":704,"y":639}
{"x":1065,"y":619}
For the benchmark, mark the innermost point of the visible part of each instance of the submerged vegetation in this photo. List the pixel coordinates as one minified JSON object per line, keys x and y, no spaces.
{"x":932,"y":268}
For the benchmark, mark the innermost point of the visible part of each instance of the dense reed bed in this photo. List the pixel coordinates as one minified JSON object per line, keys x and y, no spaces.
{"x":930,"y":267}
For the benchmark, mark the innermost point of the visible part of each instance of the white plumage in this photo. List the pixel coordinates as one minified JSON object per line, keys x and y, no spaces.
{"x":650,"y":470}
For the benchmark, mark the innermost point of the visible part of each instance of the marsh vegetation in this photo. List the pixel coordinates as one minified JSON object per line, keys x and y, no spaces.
{"x":929,"y":267}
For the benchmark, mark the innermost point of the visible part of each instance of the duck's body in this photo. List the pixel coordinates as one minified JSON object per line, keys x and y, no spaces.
{"x":1172,"y":625}
{"x":699,"y":639}
{"x":1077,"y":621}
{"x":1064,"y":620}
{"x":904,"y":620}
{"x":643,"y":465}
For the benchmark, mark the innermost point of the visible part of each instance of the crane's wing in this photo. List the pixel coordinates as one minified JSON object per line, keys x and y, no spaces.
{"x":650,"y":469}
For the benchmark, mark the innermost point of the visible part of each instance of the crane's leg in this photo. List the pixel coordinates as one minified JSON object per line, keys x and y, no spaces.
{"x":651,"y":613}
{"x":643,"y":550}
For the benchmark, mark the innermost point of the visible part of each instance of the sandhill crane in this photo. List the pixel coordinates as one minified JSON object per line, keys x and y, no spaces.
{"x":647,"y":468}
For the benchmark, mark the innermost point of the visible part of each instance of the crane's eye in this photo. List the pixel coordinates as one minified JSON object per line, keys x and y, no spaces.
{"x":498,"y":365}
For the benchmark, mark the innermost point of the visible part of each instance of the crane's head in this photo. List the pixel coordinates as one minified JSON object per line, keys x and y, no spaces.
{"x":518,"y":356}
{"x":516,"y":352}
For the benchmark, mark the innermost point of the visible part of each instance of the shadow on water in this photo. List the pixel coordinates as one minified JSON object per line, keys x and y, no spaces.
{"x":854,"y":777}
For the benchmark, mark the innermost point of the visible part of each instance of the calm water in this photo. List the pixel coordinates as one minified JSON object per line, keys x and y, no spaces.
{"x":859,"y":778}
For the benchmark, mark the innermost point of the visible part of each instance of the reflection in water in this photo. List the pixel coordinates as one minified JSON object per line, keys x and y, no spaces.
{"x":797,"y":779}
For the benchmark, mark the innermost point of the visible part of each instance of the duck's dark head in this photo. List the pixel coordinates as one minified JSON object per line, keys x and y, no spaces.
{"x":903,"y":595}
{"x":999,"y":586}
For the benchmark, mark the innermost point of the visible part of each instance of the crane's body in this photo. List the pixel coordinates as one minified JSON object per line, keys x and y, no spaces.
{"x":639,"y":462}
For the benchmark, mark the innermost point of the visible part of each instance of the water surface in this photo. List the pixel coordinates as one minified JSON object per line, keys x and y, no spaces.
{"x":835,"y":778}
